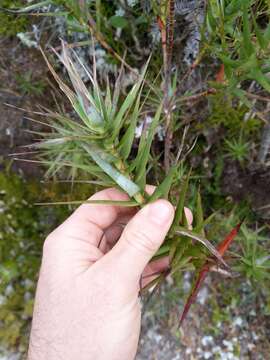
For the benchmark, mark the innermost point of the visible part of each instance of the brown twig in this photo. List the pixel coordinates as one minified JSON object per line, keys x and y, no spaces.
{"x":197,"y":96}
{"x":192,"y":67}
{"x":168,"y":33}
{"x":257,"y":97}
{"x":182,"y":144}
{"x":73,"y":45}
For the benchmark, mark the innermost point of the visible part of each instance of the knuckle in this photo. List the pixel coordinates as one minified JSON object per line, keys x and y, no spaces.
{"x":141,"y":240}
{"x":49,"y":243}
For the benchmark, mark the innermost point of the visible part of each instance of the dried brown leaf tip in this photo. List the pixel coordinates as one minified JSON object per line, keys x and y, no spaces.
{"x":221,"y":248}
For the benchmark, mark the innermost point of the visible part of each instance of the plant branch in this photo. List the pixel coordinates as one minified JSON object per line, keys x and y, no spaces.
{"x":167,"y":32}
{"x":121,"y":166}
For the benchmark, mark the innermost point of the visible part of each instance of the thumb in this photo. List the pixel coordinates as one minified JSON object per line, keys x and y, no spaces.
{"x":142,"y":237}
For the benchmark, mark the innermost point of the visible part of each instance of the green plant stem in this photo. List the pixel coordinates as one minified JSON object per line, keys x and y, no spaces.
{"x":121,"y":166}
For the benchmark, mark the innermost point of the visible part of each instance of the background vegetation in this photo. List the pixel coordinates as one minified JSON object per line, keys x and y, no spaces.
{"x":213,"y":81}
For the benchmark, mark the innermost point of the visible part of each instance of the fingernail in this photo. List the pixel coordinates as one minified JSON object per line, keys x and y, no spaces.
{"x":160,"y":211}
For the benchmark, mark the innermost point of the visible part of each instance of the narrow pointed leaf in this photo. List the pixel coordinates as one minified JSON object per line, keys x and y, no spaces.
{"x":95,"y":202}
{"x":49,"y":143}
{"x":156,"y":283}
{"x":183,"y":264}
{"x":203,"y":241}
{"x":172,"y":251}
{"x":259,"y":34}
{"x":192,"y":297}
{"x":69,"y":123}
{"x":163,"y":189}
{"x":125,"y":183}
{"x":267,"y":34}
{"x":126,"y":106}
{"x":144,"y":153}
{"x":104,"y":155}
{"x":89,"y":120}
{"x":162,"y":251}
{"x":230,"y":62}
{"x":69,"y":93}
{"x":257,"y":75}
{"x":116,"y":92}
{"x":247,"y":37}
{"x":30,"y":7}
{"x":179,"y":212}
{"x":221,"y":248}
{"x":209,"y":218}
{"x":108,"y":99}
{"x":87,"y":107}
{"x":128,"y":103}
{"x":74,"y":100}
{"x":93,"y":169}
{"x":199,"y":221}
{"x":126,"y":142}
{"x":55,"y":166}
{"x":182,"y":246}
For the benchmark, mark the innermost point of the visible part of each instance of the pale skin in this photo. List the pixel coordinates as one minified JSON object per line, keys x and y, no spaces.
{"x":87,"y":301}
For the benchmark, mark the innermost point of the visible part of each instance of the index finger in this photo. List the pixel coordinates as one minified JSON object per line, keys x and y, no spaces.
{"x":89,"y":221}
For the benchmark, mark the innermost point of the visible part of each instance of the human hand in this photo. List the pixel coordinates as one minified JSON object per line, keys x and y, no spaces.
{"x":87,"y":304}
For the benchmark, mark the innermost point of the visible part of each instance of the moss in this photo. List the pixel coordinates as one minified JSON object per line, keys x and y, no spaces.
{"x":23,"y":228}
{"x":230,"y":114}
{"x":11,"y":24}
{"x":28,"y":85}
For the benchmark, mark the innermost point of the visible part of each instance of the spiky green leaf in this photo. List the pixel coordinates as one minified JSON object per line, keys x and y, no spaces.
{"x":247,"y":36}
{"x":94,"y":202}
{"x":199,"y":221}
{"x":126,"y":142}
{"x":162,"y":191}
{"x":121,"y":180}
{"x":30,"y":8}
{"x":202,"y":240}
{"x":144,"y":151}
{"x":256,"y":74}
{"x":179,"y":211}
{"x":128,"y":103}
{"x":259,"y":34}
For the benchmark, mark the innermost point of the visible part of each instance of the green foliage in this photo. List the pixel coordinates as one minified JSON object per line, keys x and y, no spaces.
{"x":231,"y":116}
{"x":11,"y":24}
{"x":103,"y":119}
{"x":254,"y":257}
{"x":104,"y":133}
{"x":118,"y":22}
{"x":251,"y":247}
{"x":237,"y":149}
{"x":28,"y":86}
{"x":240,"y":43}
